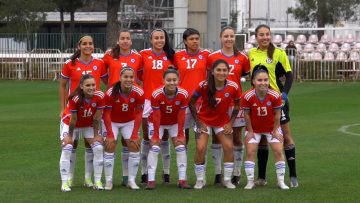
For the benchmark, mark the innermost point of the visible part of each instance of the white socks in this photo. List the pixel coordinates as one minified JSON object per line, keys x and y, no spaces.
{"x":72,"y":164}
{"x":133,"y":165}
{"x":181,"y":160}
{"x":166,"y":157}
{"x":249,"y":170}
{"x":216,"y":150}
{"x":125,"y":161}
{"x":228,"y":170}
{"x":238,"y":158}
{"x":89,"y":158}
{"x":109,"y":165}
{"x":152,"y":162}
{"x":280,"y":170}
{"x":65,"y":162}
{"x":145,"y":146}
{"x":199,"y":172}
{"x":98,"y":162}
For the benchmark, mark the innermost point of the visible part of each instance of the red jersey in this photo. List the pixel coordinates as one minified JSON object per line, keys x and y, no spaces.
{"x":261,"y":112}
{"x":191,"y":67}
{"x":73,"y":73}
{"x":85,"y":110}
{"x":123,"y":106}
{"x":217,"y":116}
{"x":239,"y":65}
{"x":154,"y":65}
{"x":114,"y":66}
{"x":169,"y":107}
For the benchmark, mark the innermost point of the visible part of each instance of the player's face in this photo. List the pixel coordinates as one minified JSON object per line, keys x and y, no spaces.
{"x":220,"y":72}
{"x":127,"y":79}
{"x":261,"y":82}
{"x":228,"y":38}
{"x":89,"y":87}
{"x":158,"y":40}
{"x":193,"y":42}
{"x":125,"y":41}
{"x":263,"y":37}
{"x":171,"y":81}
{"x":86,"y":46}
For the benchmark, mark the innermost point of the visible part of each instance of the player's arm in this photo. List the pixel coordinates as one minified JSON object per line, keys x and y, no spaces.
{"x":138,"y":118}
{"x":62,"y":94}
{"x":275,"y":133}
{"x":72,"y":124}
{"x":96,"y":125}
{"x":249,"y":129}
{"x":235,"y":111}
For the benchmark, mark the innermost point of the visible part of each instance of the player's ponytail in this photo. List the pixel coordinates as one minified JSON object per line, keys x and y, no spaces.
{"x":77,"y":52}
{"x":78,"y":91}
{"x":211,"y":82}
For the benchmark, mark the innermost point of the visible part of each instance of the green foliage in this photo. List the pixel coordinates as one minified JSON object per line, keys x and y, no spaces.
{"x":23,"y":16}
{"x":327,"y":160}
{"x":322,"y":12}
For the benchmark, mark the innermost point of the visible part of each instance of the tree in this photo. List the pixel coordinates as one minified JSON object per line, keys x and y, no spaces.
{"x":324,"y":12}
{"x":112,"y":25}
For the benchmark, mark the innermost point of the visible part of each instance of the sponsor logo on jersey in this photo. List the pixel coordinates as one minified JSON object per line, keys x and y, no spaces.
{"x":132,"y":60}
{"x":268,"y":103}
{"x":237,"y":61}
{"x":165,"y":58}
{"x":95,"y":68}
{"x":132,"y":100}
{"x":93,"y":104}
{"x":269,"y":60}
{"x":78,"y":69}
{"x":227,"y":94}
{"x":201,"y":57}
{"x":177,"y":103}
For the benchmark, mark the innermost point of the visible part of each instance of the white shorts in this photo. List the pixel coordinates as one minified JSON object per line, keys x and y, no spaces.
{"x":147,"y":109}
{"x":210,"y":128}
{"x":126,"y":129}
{"x":189,"y":120}
{"x":240,"y":119}
{"x":172,"y":129}
{"x":87,"y":132}
{"x":269,"y":137}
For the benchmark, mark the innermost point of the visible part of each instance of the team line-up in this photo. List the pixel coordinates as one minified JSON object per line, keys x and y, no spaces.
{"x":169,"y":94}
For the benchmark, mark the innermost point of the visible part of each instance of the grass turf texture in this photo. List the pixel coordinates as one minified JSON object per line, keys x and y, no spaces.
{"x":327,"y":160}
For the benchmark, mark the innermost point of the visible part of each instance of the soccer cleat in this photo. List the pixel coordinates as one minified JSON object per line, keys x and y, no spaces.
{"x":183,"y":185}
{"x":98,"y":186}
{"x":217,"y":180}
{"x":125,"y":181}
{"x":132,"y":185}
{"x":108,"y":185}
{"x":235,"y":180}
{"x":144,"y":178}
{"x":293,"y":182}
{"x":260,"y":182}
{"x":227,"y":184}
{"x":88,"y":182}
{"x":199,"y":184}
{"x":150,"y":185}
{"x":166,"y":178}
{"x":250,"y":185}
{"x":283,"y":186}
{"x":65,"y":187}
{"x":70,"y":182}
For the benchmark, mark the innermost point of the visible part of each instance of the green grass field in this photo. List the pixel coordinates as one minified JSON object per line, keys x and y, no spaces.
{"x":327,"y":160}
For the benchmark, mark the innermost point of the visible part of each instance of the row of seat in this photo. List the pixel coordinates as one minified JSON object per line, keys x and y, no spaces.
{"x":313,"y":39}
{"x":330,"y":56}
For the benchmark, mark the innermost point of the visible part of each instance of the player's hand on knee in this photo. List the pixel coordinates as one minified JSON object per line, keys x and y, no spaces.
{"x":134,"y":144}
{"x":249,"y":136}
{"x":110,"y":143}
{"x":67,"y":140}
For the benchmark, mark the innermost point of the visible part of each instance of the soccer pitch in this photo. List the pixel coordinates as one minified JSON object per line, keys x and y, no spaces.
{"x":325,"y":125}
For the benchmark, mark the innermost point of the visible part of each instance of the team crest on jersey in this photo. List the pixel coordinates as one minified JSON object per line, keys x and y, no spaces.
{"x":269,"y":60}
{"x":177,"y":103}
{"x":227,"y":94}
{"x":95,"y":68}
{"x":237,"y":61}
{"x":165,"y":58}
{"x":132,"y":60}
{"x":268,"y":103}
{"x":132,"y":100}
{"x":93,"y":104}
{"x":201,"y":57}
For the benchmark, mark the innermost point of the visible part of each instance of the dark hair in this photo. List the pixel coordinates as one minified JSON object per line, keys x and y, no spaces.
{"x":211,"y":82}
{"x":115,"y":50}
{"x":258,"y":69}
{"x":169,"y":51}
{"x":171,"y":69}
{"x":117,"y":85}
{"x":78,"y":91}
{"x":188,"y":32}
{"x":236,"y":50}
{"x":77,"y":52}
{"x":271,"y":48}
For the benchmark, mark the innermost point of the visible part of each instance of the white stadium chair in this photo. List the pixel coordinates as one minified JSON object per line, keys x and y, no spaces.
{"x":346,"y":47}
{"x":252,"y":40}
{"x":341,"y":56}
{"x":325,"y":39}
{"x":308,"y":48}
{"x":338,"y":39}
{"x":321,"y":47}
{"x":313,"y":39}
{"x":333,"y":47}
{"x":316,"y":56}
{"x":277,"y":39}
{"x":354,"y":56}
{"x":356,"y":47}
{"x":301,"y":39}
{"x":329,"y":56}
{"x":349,"y":38}
{"x":298,"y":47}
{"x":289,"y":38}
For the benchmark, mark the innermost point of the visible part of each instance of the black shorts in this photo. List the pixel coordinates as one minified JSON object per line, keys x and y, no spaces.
{"x":285,"y":113}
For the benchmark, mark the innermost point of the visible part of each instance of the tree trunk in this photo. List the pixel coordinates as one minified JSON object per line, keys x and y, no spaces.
{"x":112,"y":25}
{"x":321,"y":15}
